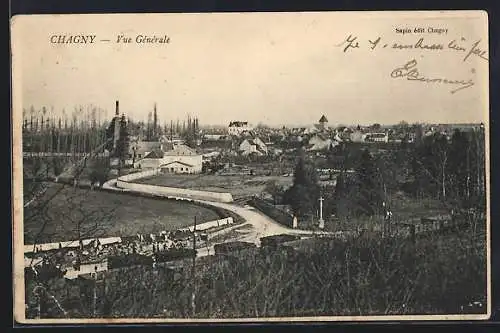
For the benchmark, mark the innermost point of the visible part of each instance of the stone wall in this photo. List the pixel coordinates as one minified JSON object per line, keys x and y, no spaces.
{"x":273,"y":212}
{"x":210,"y":224}
{"x":126,"y":182}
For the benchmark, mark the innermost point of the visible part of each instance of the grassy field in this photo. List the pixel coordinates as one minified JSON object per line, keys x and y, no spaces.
{"x":103,"y":213}
{"x":238,"y":186}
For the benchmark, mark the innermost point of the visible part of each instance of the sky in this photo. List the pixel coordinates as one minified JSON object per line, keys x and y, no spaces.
{"x":270,"y":68}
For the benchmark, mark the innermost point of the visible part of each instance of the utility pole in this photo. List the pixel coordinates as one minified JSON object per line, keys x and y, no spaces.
{"x":321,"y":221}
{"x":39,"y":307}
{"x":95,"y":292}
{"x":193,"y":295}
{"x":39,"y":292}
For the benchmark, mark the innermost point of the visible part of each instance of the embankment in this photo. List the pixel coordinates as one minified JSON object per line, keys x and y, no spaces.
{"x":127,"y":182}
{"x":273,"y":212}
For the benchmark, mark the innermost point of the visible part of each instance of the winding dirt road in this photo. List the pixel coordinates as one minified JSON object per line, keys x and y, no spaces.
{"x":257,"y":224}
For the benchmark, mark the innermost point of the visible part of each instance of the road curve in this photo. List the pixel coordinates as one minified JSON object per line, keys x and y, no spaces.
{"x":261,"y":224}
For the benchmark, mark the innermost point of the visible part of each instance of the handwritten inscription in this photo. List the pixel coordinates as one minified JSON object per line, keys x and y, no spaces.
{"x":350,"y":42}
{"x":410,"y":72}
{"x":463,"y":46}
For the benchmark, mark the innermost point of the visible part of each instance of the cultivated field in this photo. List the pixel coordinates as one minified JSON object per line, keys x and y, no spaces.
{"x":239,"y":186}
{"x":101,"y":213}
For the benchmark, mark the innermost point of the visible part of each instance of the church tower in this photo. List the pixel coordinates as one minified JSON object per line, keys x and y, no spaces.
{"x":323,"y":122}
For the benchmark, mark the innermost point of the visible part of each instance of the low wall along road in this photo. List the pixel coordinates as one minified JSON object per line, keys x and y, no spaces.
{"x":210,"y":224}
{"x":127,"y":182}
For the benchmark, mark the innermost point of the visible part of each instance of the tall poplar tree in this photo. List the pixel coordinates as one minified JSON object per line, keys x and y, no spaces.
{"x":304,"y":194}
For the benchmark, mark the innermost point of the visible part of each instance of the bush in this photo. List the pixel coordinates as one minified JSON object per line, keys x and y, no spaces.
{"x":174,"y":254}
{"x":366,"y":276}
{"x":229,"y":247}
{"x":273,"y":241}
{"x":128,"y":260}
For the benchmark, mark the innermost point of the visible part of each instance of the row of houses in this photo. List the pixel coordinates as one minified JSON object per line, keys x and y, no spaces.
{"x":172,"y":155}
{"x":321,"y":132}
{"x":318,"y":136}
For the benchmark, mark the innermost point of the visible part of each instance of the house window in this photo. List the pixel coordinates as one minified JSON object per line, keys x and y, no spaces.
{"x":182,"y":169}
{"x":172,"y":169}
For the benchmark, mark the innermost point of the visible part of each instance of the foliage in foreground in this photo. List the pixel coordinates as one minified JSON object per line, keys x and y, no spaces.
{"x":368,"y":276}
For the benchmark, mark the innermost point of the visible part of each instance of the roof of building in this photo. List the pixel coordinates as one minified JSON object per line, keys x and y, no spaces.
{"x":377,"y":135}
{"x":181,"y":150}
{"x":155,"y":154}
{"x":255,"y":141}
{"x":145,"y":146}
{"x":173,"y":162}
{"x":323,"y":119}
{"x":70,"y":244}
{"x":109,"y":240}
{"x":238,"y":123}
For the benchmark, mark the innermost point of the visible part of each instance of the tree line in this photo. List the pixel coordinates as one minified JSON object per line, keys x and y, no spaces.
{"x":448,"y":169}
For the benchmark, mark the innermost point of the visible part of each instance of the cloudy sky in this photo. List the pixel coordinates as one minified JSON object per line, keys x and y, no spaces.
{"x":274,"y":68}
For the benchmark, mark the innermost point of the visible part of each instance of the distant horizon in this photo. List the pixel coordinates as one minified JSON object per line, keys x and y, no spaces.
{"x":110,"y":114}
{"x":275,"y":68}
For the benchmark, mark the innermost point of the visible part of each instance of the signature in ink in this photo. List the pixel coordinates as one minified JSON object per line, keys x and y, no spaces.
{"x":411,"y":73}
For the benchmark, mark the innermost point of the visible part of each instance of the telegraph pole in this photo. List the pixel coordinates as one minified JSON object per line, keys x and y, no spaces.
{"x":37,"y":293}
{"x":95,"y":292}
{"x":321,"y":221}
{"x":193,"y":295}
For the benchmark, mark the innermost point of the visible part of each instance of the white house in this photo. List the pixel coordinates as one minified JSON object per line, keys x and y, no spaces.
{"x":238,"y":127}
{"x":377,"y":137}
{"x":357,"y":136}
{"x":320,"y":142}
{"x":179,"y":159}
{"x":182,"y":159}
{"x":178,"y":167}
{"x":252,"y":146}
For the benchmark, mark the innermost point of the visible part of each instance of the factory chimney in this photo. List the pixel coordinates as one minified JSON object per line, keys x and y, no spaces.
{"x":116,"y":133}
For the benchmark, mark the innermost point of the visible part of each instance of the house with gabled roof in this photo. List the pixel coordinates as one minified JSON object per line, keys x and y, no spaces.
{"x":377,"y":137}
{"x":138,"y":149}
{"x":252,"y":145}
{"x":152,"y":160}
{"x":319,"y":142}
{"x":177,"y":167}
{"x":179,"y":159}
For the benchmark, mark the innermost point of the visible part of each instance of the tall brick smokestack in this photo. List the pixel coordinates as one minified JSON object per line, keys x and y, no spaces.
{"x":116,"y":134}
